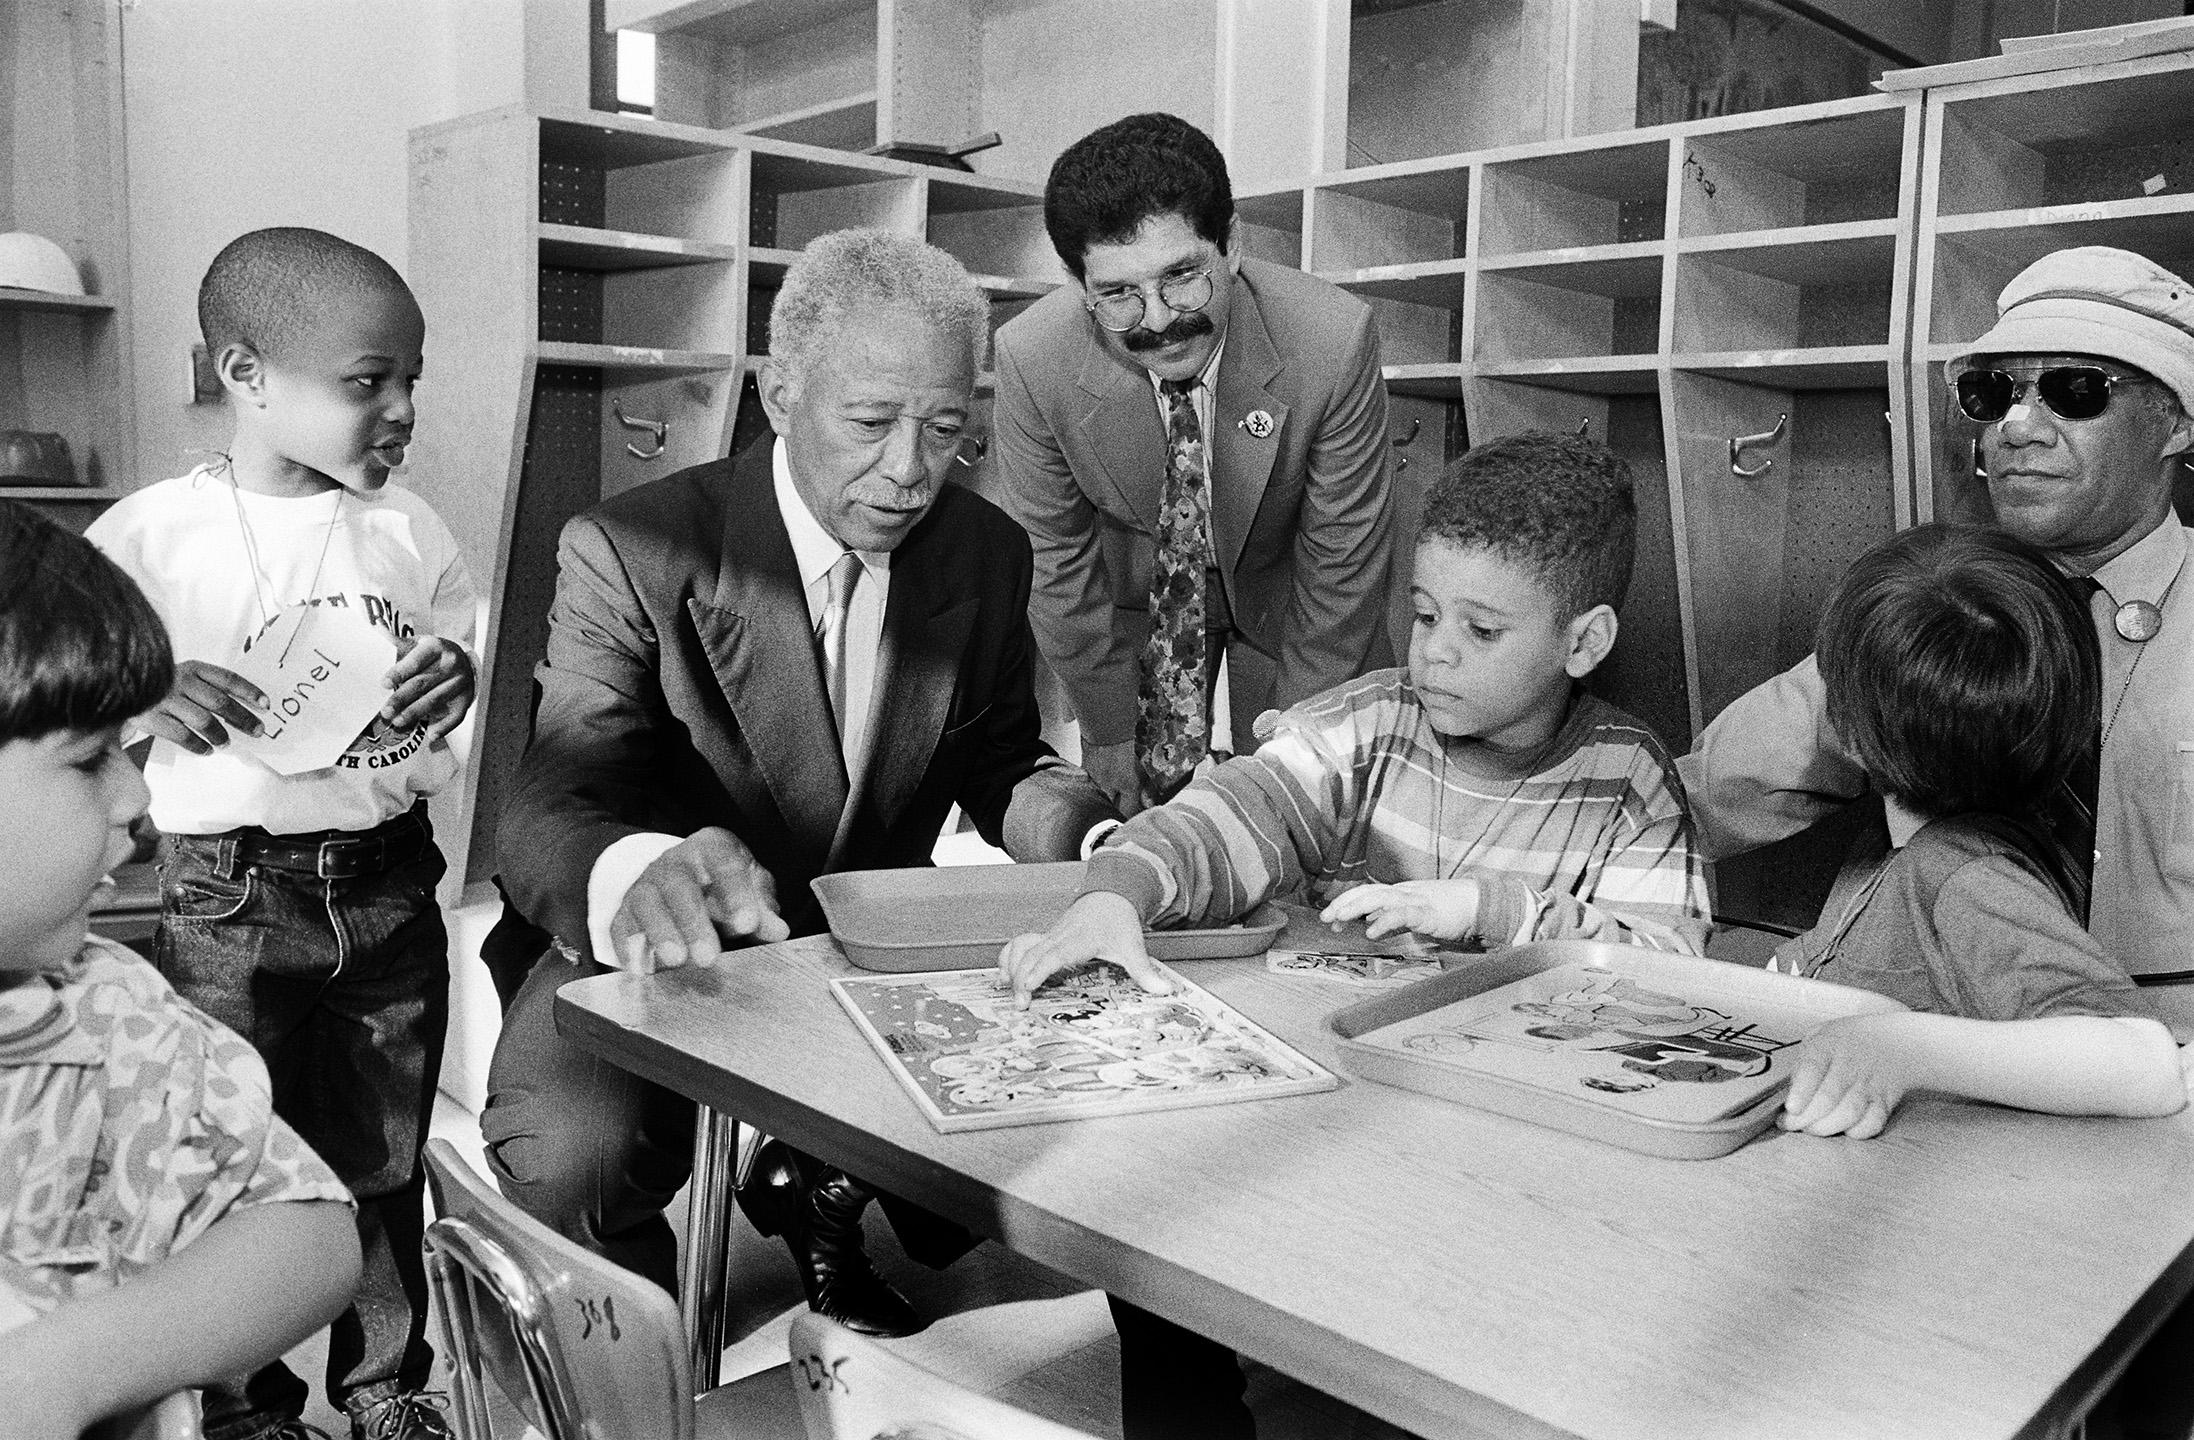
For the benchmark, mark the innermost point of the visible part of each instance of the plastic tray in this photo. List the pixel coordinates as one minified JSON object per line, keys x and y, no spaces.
{"x":1696,"y":979}
{"x":958,"y":917}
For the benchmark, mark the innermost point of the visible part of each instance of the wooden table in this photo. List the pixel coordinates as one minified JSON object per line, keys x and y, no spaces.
{"x":1973,"y":1272}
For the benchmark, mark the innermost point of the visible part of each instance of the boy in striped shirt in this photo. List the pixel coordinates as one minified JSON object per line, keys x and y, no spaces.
{"x":1479,"y":797}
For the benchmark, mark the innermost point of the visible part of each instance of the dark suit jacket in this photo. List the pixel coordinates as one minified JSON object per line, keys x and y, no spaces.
{"x":682,"y":689}
{"x":1301,"y":518}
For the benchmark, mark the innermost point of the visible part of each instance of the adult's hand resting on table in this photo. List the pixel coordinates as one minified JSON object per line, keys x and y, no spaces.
{"x":1099,"y":926}
{"x":704,"y":890}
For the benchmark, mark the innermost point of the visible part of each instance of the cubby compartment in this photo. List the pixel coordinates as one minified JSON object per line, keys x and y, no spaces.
{"x":2126,"y":144}
{"x":1810,"y":295}
{"x":1571,"y":198}
{"x":1395,"y":216}
{"x":1766,"y":547}
{"x":686,"y":307}
{"x":803,"y":70}
{"x":1453,"y":75}
{"x":1272,"y":226}
{"x":56,"y":353}
{"x":1603,"y":311}
{"x":635,"y":183}
{"x":1841,"y":169}
{"x":795,"y":198}
{"x":997,"y":230}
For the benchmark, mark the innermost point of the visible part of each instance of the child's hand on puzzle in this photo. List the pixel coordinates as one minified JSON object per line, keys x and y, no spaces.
{"x":1442,"y":909}
{"x":431,"y":684}
{"x":1099,"y":926}
{"x":204,"y":704}
{"x":1851,"y":1074}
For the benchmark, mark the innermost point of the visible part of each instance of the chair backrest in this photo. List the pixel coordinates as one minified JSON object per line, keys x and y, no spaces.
{"x":585,"y":1349}
{"x":852,"y":1388}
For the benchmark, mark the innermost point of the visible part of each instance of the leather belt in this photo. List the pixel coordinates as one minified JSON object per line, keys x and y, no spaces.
{"x":336,"y":855}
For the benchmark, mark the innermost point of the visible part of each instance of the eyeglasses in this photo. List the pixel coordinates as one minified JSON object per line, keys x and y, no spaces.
{"x":1122,"y":310}
{"x":2072,"y":392}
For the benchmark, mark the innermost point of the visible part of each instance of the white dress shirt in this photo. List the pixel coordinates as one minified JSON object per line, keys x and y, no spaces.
{"x":814,"y":551}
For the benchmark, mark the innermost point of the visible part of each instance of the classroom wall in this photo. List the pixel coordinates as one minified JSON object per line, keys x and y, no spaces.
{"x":245,"y":113}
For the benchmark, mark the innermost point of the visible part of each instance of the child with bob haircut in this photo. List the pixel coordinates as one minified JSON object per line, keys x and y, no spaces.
{"x":160,"y":1228}
{"x":1481,"y":796}
{"x":1962,"y":672}
{"x":299,"y":909}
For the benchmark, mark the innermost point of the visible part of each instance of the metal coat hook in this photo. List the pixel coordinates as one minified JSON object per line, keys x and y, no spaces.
{"x":1584,"y":428}
{"x":660,"y":429}
{"x":1739,"y":444}
{"x":1416,"y":424}
{"x":979,"y":444}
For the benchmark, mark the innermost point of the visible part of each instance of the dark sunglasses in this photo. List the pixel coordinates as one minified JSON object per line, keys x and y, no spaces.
{"x":2072,"y":392}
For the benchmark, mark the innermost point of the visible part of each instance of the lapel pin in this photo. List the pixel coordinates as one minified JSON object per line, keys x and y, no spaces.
{"x":1257,"y":423}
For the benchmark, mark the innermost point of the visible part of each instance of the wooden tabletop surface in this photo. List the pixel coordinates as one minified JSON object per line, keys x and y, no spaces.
{"x":1973,"y":1272}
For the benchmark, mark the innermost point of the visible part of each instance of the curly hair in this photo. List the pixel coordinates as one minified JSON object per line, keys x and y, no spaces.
{"x":1558,"y":505}
{"x":80,"y":646}
{"x":848,"y":272}
{"x":268,"y":287}
{"x":1106,"y":184}
{"x":1962,"y":670}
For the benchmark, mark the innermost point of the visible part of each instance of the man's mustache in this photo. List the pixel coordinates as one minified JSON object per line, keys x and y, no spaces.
{"x":1184,"y":327}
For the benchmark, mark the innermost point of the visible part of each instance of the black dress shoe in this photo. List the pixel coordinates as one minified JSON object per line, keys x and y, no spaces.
{"x":816,"y":1208}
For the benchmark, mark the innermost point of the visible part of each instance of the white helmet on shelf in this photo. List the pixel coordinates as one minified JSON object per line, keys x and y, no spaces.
{"x":32,"y":262}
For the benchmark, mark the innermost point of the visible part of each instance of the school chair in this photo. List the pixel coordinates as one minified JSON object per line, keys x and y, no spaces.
{"x":546,"y":1335}
{"x":854,"y":1388}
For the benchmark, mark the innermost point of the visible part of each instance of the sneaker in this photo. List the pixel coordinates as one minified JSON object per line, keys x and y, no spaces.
{"x":406,"y":1415}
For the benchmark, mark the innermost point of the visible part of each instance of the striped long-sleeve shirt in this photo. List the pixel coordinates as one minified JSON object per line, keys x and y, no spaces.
{"x":1588,"y":839}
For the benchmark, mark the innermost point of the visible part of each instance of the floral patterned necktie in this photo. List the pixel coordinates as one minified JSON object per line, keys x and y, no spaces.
{"x":1172,"y":726}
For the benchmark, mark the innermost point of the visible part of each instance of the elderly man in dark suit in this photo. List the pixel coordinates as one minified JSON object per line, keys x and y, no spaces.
{"x":1196,"y":443}
{"x":759,"y":671}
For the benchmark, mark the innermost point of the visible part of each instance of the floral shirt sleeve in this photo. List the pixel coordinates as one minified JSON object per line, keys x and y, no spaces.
{"x":130,"y":1122}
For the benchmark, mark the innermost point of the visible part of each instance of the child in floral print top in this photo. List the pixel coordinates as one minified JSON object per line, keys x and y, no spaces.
{"x":159,"y":1227}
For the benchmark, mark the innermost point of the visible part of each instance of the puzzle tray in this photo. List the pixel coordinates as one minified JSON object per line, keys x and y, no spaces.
{"x":1699,"y":980}
{"x":958,"y":917}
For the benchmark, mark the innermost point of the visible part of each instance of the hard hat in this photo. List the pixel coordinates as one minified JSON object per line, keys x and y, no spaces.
{"x":32,"y":262}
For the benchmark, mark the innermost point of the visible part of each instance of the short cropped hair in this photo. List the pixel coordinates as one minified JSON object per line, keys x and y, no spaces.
{"x":1962,"y":670}
{"x":853,"y":272}
{"x":80,"y":646}
{"x":1558,"y":505}
{"x":268,"y":287}
{"x":1106,"y":184}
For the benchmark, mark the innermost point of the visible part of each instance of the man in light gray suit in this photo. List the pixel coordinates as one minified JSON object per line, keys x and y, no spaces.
{"x":1196,"y":445}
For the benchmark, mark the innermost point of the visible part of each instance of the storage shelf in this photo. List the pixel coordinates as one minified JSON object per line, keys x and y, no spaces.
{"x":616,"y":142}
{"x":847,"y":123}
{"x":1428,"y":187}
{"x":633,"y":358}
{"x":1808,"y":255}
{"x":1828,"y":367}
{"x":57,"y":492}
{"x":11,"y":299}
{"x":985,"y":380}
{"x":1431,"y":282}
{"x":1618,"y":271}
{"x":728,"y":22}
{"x":954,"y":193}
{"x":1585,"y":374}
{"x":766,"y":264}
{"x":581,"y":247}
{"x":1431,"y":382}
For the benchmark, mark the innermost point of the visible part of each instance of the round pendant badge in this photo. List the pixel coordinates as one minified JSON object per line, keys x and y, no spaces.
{"x":1258,"y":424}
{"x":2139,"y":621}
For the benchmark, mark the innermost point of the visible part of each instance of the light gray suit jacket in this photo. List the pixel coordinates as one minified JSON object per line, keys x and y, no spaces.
{"x":1302,"y":517}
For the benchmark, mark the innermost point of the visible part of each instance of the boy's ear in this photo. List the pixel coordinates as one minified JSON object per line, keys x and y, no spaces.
{"x":1591,"y":636}
{"x":243,"y":374}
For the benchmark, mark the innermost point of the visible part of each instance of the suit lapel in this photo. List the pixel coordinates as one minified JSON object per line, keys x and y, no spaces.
{"x":1241,"y":462}
{"x":926,"y":630}
{"x":759,"y":643}
{"x":1120,"y":427}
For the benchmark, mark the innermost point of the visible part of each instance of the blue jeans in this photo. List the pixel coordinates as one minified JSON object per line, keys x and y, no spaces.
{"x":342,"y":985}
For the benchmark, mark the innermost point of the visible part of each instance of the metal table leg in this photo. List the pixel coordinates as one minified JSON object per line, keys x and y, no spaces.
{"x":708,"y":1239}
